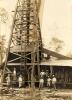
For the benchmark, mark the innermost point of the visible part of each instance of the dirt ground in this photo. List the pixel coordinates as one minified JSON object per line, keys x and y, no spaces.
{"x":29,"y":94}
{"x":56,"y":95}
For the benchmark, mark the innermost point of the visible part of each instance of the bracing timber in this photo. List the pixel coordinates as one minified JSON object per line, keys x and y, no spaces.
{"x":24,"y":48}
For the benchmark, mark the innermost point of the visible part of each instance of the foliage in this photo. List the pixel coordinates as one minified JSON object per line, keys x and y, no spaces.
{"x":2,"y":48}
{"x":56,"y":43}
{"x":3,"y":19}
{"x":3,"y":15}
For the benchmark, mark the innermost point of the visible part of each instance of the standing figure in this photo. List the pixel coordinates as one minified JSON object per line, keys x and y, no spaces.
{"x":0,"y":77}
{"x":14,"y":74}
{"x":42,"y":74}
{"x":20,"y":80}
{"x":14,"y":77}
{"x":54,"y":80}
{"x":41,"y":83}
{"x":47,"y":73}
{"x":8,"y":80}
{"x":49,"y":82}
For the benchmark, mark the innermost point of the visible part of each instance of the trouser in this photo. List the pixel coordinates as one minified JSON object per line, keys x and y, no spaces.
{"x":54,"y":86}
{"x":20,"y":84}
{"x":48,"y":84}
{"x":41,"y":85}
{"x":8,"y":84}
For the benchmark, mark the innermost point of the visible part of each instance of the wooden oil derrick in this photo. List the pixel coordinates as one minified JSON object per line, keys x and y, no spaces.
{"x":24,"y":48}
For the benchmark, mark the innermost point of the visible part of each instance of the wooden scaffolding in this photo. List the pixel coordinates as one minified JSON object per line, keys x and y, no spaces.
{"x":24,"y":48}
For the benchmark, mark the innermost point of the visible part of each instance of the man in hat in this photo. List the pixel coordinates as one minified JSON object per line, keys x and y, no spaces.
{"x":42,"y":73}
{"x":41,"y":83}
{"x":49,"y":81}
{"x":0,"y":77}
{"x":47,"y":73}
{"x":8,"y":80}
{"x":54,"y":80}
{"x":20,"y":80}
{"x":14,"y":74}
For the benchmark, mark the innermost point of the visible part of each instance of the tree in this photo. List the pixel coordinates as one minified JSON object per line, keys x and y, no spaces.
{"x":2,"y":48}
{"x":69,"y":54}
{"x":3,"y":15}
{"x":3,"y":20}
{"x":56,"y":44}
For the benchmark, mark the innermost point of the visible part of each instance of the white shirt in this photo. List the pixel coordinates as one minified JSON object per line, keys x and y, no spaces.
{"x":20,"y":79}
{"x":54,"y":80}
{"x":8,"y":79}
{"x":42,"y":73}
{"x":14,"y":72}
{"x":41,"y":80}
{"x":49,"y":79}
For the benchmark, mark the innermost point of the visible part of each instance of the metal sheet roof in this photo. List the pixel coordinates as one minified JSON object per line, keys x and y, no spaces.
{"x":57,"y":63}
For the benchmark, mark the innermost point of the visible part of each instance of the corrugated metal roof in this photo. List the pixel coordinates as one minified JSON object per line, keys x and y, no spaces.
{"x":57,"y":62}
{"x":55,"y":54}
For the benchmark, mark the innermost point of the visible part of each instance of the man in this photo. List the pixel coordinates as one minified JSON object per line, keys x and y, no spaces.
{"x":41,"y":83}
{"x":42,"y":74}
{"x":14,"y":74}
{"x":8,"y":80}
{"x":0,"y":78}
{"x":49,"y":81}
{"x":47,"y":72}
{"x":14,"y":77}
{"x":20,"y":80}
{"x":54,"y":80}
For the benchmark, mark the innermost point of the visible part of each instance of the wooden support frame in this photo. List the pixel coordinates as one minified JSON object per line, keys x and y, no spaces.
{"x":25,"y":32}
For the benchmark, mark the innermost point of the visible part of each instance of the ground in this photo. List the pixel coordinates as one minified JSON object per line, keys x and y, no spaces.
{"x":30,"y":94}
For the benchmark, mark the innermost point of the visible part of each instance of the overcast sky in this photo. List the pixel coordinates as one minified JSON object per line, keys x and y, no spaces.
{"x":56,"y":21}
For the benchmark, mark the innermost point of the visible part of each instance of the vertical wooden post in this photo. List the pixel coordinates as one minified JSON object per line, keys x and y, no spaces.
{"x":38,"y":66}
{"x":28,"y":78}
{"x":32,"y":72}
{"x":51,"y":70}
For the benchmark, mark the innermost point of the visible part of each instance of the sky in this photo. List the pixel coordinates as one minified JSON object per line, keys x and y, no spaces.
{"x":55,"y":21}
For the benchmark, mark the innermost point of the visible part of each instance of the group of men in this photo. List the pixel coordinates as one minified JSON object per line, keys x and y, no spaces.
{"x":20,"y":79}
{"x":50,"y":80}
